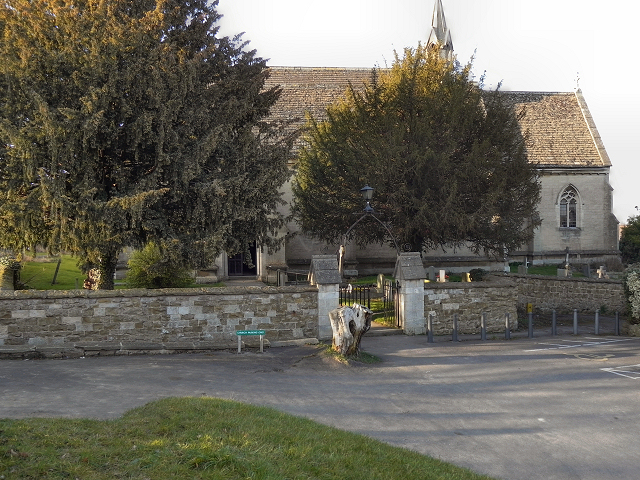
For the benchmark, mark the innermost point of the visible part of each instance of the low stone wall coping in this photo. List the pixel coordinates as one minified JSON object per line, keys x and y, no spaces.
{"x":564,"y":279}
{"x":458,"y":285}
{"x":143,"y":292}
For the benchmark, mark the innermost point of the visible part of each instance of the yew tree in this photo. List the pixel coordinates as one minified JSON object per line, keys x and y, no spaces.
{"x":129,"y":121}
{"x":630,"y":241}
{"x":447,"y":160}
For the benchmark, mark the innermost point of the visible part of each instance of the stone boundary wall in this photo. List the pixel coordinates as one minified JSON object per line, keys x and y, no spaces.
{"x":59,"y":323}
{"x":566,"y":294}
{"x":469,"y":301}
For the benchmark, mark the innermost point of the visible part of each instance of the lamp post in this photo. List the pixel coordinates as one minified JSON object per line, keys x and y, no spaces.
{"x":367,"y":196}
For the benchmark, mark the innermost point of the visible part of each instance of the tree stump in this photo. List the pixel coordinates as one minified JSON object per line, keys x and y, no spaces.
{"x":349,"y":324}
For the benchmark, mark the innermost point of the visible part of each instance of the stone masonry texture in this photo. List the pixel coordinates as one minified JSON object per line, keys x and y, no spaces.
{"x":566,"y":294}
{"x":172,"y":319}
{"x":469,"y":301}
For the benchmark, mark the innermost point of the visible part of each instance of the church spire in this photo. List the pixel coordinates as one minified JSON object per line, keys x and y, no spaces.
{"x":440,"y":35}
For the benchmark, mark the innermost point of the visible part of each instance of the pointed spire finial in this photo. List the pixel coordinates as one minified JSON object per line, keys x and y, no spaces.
{"x":440,"y":35}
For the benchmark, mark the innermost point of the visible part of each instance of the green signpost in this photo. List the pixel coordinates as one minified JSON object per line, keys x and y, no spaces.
{"x":241,"y":333}
{"x":251,"y":332}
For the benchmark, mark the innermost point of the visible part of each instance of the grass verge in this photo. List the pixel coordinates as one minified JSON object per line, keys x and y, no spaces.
{"x":203,"y":438}
{"x":38,"y":274}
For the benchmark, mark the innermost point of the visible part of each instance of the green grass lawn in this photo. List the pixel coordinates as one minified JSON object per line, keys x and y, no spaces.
{"x":202,"y":438}
{"x":38,"y":274}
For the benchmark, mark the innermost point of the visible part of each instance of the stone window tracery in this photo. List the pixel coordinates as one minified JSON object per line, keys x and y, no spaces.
{"x":569,"y":208}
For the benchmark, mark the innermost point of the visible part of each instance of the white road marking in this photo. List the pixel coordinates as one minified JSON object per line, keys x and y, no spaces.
{"x":578,"y":343}
{"x":628,"y":371}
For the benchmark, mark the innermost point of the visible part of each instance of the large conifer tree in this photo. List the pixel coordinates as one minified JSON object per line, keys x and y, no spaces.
{"x":447,"y":161}
{"x":125,"y":121}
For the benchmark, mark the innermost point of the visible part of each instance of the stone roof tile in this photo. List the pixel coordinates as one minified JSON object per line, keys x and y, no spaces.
{"x":561,"y":130}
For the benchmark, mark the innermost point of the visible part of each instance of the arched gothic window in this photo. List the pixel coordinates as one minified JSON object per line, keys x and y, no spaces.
{"x":569,"y":208}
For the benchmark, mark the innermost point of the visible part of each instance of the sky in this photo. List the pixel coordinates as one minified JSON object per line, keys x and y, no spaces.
{"x":532,"y":45}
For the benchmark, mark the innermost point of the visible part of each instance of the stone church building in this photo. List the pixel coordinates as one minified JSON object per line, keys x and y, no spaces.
{"x":576,"y":198}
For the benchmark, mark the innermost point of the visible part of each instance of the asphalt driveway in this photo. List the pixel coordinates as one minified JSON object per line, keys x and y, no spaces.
{"x":544,"y":408}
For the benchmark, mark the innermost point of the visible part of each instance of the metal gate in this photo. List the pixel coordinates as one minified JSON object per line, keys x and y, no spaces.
{"x":361,"y":294}
{"x":390,"y":303}
{"x":355,"y":294}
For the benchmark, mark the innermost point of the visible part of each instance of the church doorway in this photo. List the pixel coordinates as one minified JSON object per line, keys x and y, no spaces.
{"x":238,"y":266}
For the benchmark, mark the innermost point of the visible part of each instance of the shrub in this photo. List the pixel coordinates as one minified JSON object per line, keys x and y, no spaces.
{"x":631,"y":282}
{"x":156,"y":267}
{"x":477,"y":274}
{"x":10,"y":263}
{"x":630,"y":241}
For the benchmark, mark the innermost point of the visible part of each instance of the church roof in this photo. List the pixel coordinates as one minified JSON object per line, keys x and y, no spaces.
{"x":310,"y":89}
{"x":561,"y":130}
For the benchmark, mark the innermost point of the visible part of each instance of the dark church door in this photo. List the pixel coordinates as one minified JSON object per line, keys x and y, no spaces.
{"x":238,"y":266}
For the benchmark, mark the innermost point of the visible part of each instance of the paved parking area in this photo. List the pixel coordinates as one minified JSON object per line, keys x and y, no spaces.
{"x":544,"y":408}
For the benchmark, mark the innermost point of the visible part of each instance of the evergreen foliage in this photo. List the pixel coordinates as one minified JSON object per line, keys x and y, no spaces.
{"x":155,"y":267}
{"x":447,"y":161}
{"x":630,"y":241}
{"x":128,"y":121}
{"x":631,"y":282}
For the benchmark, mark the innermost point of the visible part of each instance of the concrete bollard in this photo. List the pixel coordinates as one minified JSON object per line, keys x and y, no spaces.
{"x":507,"y":329}
{"x":455,"y":327}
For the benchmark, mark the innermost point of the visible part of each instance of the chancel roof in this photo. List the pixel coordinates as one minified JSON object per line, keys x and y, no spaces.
{"x":560,"y":128}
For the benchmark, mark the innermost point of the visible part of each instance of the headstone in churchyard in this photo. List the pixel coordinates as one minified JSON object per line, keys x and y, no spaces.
{"x":522,"y":269}
{"x":380,"y":282}
{"x":442,"y":277}
{"x":602,"y":272}
{"x":432,"y":274}
{"x":586,"y":270}
{"x":466,"y":277}
{"x":563,"y":272}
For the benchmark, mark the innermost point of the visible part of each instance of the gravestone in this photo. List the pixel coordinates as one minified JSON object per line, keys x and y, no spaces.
{"x":442,"y":276}
{"x":586,"y":270}
{"x":602,"y":272}
{"x":432,"y":274}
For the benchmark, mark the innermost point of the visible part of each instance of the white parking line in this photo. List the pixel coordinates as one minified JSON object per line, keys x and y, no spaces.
{"x":578,"y":343}
{"x":628,"y":371}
